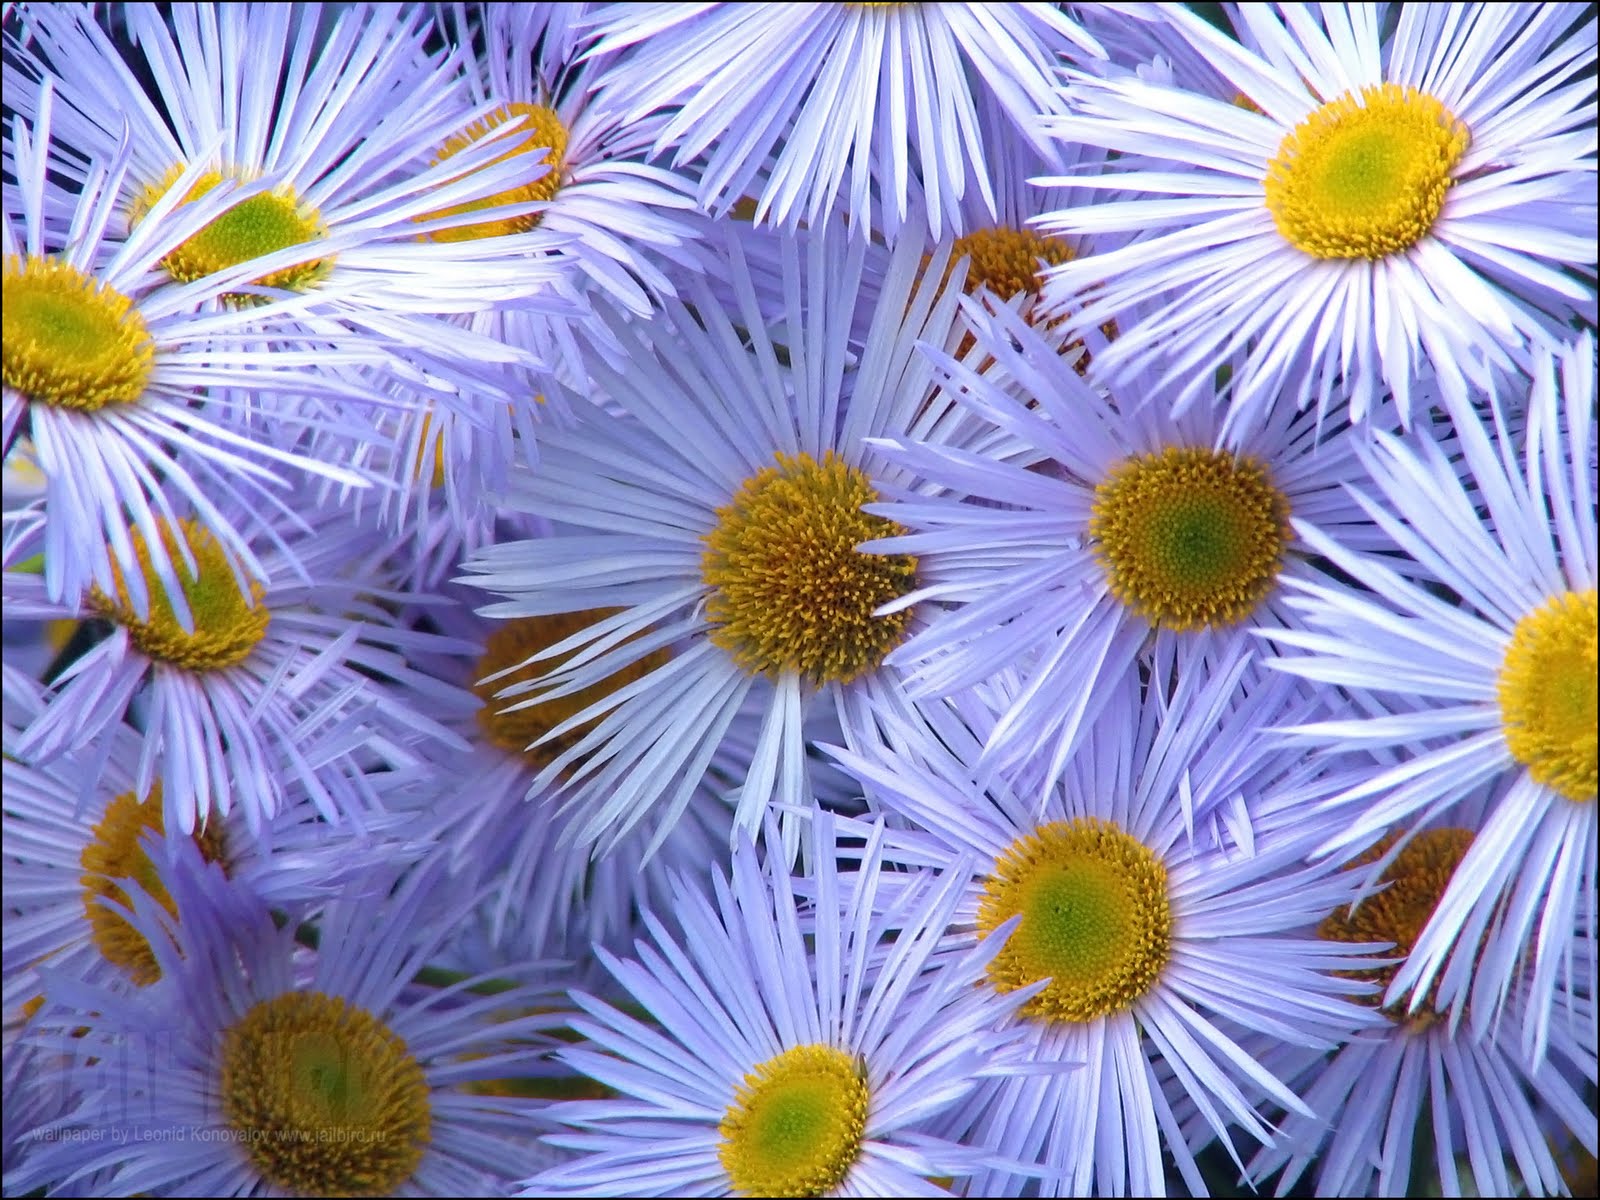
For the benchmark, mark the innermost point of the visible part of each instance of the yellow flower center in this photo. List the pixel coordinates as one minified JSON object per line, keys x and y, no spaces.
{"x":1365,"y":176}
{"x":1415,"y":881}
{"x":435,"y":438}
{"x":259,"y":226}
{"x":796,"y":1124}
{"x":1547,"y":694}
{"x":542,"y":132}
{"x":512,"y":644}
{"x":1190,"y":537}
{"x":70,"y":340}
{"x":1096,"y":920}
{"x":114,"y":853}
{"x":1008,"y":261}
{"x":324,"y":1097}
{"x":227,"y":624}
{"x":789,"y":589}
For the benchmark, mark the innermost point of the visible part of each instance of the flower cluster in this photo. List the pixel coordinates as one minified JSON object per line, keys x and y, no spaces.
{"x":981,"y":599}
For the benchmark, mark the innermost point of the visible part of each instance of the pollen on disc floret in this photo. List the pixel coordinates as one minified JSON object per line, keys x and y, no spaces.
{"x":1547,"y":694}
{"x":114,"y":853}
{"x":1007,"y":260}
{"x":542,"y":130}
{"x":515,"y":730}
{"x":262,"y":225}
{"x":1411,"y":887}
{"x":228,"y":624}
{"x":789,"y":589}
{"x":72,"y":341}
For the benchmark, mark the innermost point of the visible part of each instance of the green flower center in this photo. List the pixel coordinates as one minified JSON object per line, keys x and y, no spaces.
{"x":796,"y":1124}
{"x":71,"y":341}
{"x":1365,"y":176}
{"x":325,"y":1098}
{"x":255,"y":227}
{"x":1190,"y":538}
{"x":1096,"y":920}
{"x":542,"y":132}
{"x":789,"y":589}
{"x":1547,"y":694}
{"x":227,"y":623}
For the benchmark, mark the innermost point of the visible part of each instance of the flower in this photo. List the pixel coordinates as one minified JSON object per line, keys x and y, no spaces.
{"x":291,"y":680}
{"x":602,"y":228}
{"x":1093,"y":530}
{"x":1500,"y":686}
{"x":1379,"y":1091}
{"x":75,"y":826}
{"x":343,"y":136}
{"x":117,"y":384}
{"x":776,"y":1069}
{"x":1372,"y":212}
{"x":548,"y":899}
{"x":719,"y":512}
{"x":792,"y":99}
{"x":610,"y":214}
{"x":1160,"y":942}
{"x":247,"y":1070}
{"x":336,"y":126}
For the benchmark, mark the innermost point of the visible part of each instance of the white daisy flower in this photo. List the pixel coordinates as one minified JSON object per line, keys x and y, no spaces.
{"x":1374,"y":211}
{"x":790,"y":1058}
{"x":1159,"y":947}
{"x":1497,"y":686}
{"x":721,"y":515}
{"x":795,"y":102}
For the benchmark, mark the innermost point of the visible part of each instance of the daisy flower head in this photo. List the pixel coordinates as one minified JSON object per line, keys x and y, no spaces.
{"x":720,"y":513}
{"x":339,"y":112}
{"x":614,"y":217}
{"x":122,"y":394}
{"x":607,"y":229}
{"x":1480,"y":1098}
{"x":1373,"y":211}
{"x":796,"y":103}
{"x":334,"y":120}
{"x":290,"y":675}
{"x":549,"y":899}
{"x":75,"y":826}
{"x":1124,"y":527}
{"x":1006,"y":256}
{"x":1499,"y":685}
{"x":784,"y":1058}
{"x":253,"y":1068}
{"x":1161,"y":943}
